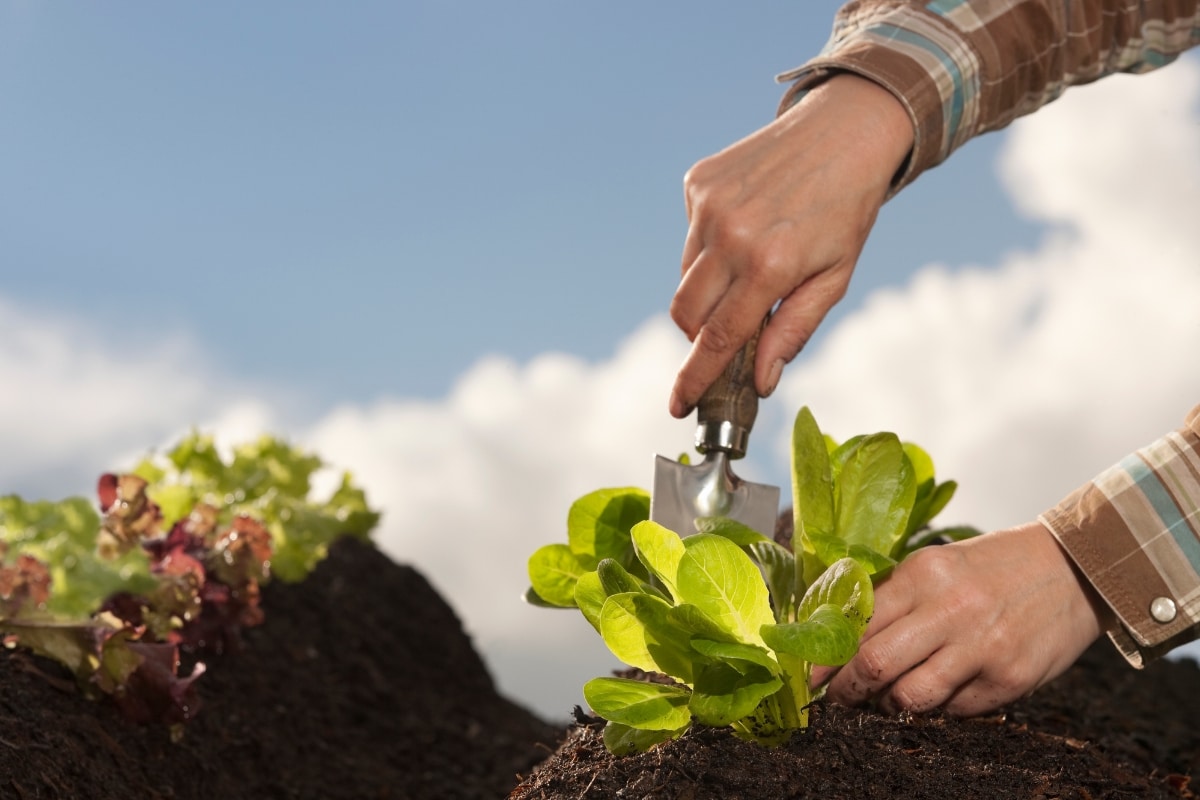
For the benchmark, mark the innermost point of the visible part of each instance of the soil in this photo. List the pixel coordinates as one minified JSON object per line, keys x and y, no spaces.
{"x":362,"y":684}
{"x":359,"y":684}
{"x":1103,"y":730}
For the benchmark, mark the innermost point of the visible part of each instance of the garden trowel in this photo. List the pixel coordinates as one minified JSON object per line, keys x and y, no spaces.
{"x":684,"y":493}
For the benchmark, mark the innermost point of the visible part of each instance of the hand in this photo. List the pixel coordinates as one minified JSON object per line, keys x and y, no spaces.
{"x":782,"y":216}
{"x":971,"y":626}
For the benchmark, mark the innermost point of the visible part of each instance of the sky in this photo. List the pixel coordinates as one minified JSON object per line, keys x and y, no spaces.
{"x":436,"y":242}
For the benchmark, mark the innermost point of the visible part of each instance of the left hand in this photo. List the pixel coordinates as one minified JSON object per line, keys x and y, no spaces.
{"x":970,"y":626}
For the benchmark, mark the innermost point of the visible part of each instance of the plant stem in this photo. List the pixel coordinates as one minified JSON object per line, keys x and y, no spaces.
{"x":795,"y":693}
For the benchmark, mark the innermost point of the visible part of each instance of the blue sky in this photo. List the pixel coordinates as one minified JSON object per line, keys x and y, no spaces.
{"x":435,"y":242}
{"x":361,"y":202}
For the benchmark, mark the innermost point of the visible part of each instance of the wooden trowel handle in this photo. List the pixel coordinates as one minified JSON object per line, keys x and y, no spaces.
{"x":726,"y":412}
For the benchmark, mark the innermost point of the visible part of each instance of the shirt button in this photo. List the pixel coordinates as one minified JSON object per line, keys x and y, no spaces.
{"x":1163,"y":609}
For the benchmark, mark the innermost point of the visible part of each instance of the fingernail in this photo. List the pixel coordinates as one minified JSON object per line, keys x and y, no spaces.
{"x":679,"y":409}
{"x":675,"y":406}
{"x":774,"y":376}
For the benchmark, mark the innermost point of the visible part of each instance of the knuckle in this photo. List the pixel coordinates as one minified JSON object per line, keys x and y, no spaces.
{"x":698,"y":180}
{"x":932,"y":567}
{"x":1012,"y":678}
{"x":904,"y":697}
{"x":717,"y":338}
{"x":872,"y":661}
{"x":731,"y":232}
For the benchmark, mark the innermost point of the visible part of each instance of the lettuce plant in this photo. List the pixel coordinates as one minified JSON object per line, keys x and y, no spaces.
{"x":169,"y":571}
{"x":732,"y":620}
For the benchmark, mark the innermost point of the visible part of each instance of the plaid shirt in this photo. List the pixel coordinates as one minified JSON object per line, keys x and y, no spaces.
{"x":965,"y":67}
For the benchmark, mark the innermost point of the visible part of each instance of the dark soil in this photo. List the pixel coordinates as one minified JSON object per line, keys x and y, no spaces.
{"x":360,"y":684}
{"x":1103,"y":730}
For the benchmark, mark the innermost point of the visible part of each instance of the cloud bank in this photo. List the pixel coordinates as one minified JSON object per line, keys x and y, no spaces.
{"x":1023,"y":378}
{"x":1026,"y":378}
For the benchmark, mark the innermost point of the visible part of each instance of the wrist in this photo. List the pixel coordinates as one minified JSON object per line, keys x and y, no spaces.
{"x":881,"y":122}
{"x":1087,"y":607}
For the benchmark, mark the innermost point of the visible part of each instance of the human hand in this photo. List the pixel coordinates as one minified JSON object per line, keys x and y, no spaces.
{"x":970,"y":626}
{"x":782,"y":215}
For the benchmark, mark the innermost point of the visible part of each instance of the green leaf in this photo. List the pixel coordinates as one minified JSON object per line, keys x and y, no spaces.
{"x":812,"y":479}
{"x":637,"y":704}
{"x":622,"y":740}
{"x":62,"y":535}
{"x":874,"y":493}
{"x":830,"y":619}
{"x":930,"y":505}
{"x":598,"y":524}
{"x":269,"y":480}
{"x":731,"y":652}
{"x":921,"y":463}
{"x":825,"y":637}
{"x":661,"y":551}
{"x":637,"y":630}
{"x":695,"y":622}
{"x":534,"y":599}
{"x":846,"y":585}
{"x":779,"y":569}
{"x":73,"y":644}
{"x":589,"y":597}
{"x":830,"y":549}
{"x":737,"y":532}
{"x":553,"y":572}
{"x":719,"y":579}
{"x":722,"y":694}
{"x":934,"y":536}
{"x":615,"y":579}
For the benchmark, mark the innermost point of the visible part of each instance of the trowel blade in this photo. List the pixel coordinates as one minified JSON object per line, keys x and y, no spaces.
{"x":684,"y":493}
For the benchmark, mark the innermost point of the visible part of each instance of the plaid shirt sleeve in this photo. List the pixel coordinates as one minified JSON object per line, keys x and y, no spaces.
{"x":964,"y":67}
{"x":1134,"y":532}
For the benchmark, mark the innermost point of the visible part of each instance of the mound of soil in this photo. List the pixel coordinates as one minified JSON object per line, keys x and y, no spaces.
{"x":360,"y":684}
{"x":1103,"y":730}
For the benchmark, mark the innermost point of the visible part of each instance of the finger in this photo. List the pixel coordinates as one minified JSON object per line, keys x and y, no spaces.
{"x":977,"y":697}
{"x":794,"y":323}
{"x":702,"y":287}
{"x":820,"y":675}
{"x":932,"y":683}
{"x":693,"y":245}
{"x":735,"y":319}
{"x":895,"y":598}
{"x":889,"y":649}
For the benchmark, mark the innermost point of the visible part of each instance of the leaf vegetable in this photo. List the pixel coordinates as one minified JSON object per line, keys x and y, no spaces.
{"x":731,"y":620}
{"x":169,"y":571}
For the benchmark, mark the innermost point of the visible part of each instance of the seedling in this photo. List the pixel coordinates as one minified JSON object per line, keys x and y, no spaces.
{"x":733,"y":619}
{"x":172,"y":567}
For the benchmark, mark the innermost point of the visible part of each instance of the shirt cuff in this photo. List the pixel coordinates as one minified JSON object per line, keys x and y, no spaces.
{"x":917,"y":56}
{"x":1134,"y":532}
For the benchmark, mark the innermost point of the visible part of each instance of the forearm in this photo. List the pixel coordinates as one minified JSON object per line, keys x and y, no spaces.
{"x":1134,"y":533}
{"x":964,"y":68}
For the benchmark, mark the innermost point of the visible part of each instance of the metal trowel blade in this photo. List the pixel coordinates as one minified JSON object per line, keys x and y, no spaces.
{"x":685,"y":493}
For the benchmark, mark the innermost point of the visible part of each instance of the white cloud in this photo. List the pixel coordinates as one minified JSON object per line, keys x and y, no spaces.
{"x":1026,"y":378}
{"x":1022,"y":378}
{"x":473,"y":485}
{"x":73,"y":404}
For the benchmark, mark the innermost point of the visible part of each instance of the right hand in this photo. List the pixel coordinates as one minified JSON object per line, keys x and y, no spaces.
{"x":970,"y":626}
{"x":782,"y":215}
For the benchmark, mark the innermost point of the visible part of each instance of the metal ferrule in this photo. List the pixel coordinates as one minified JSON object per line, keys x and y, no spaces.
{"x":722,"y":436}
